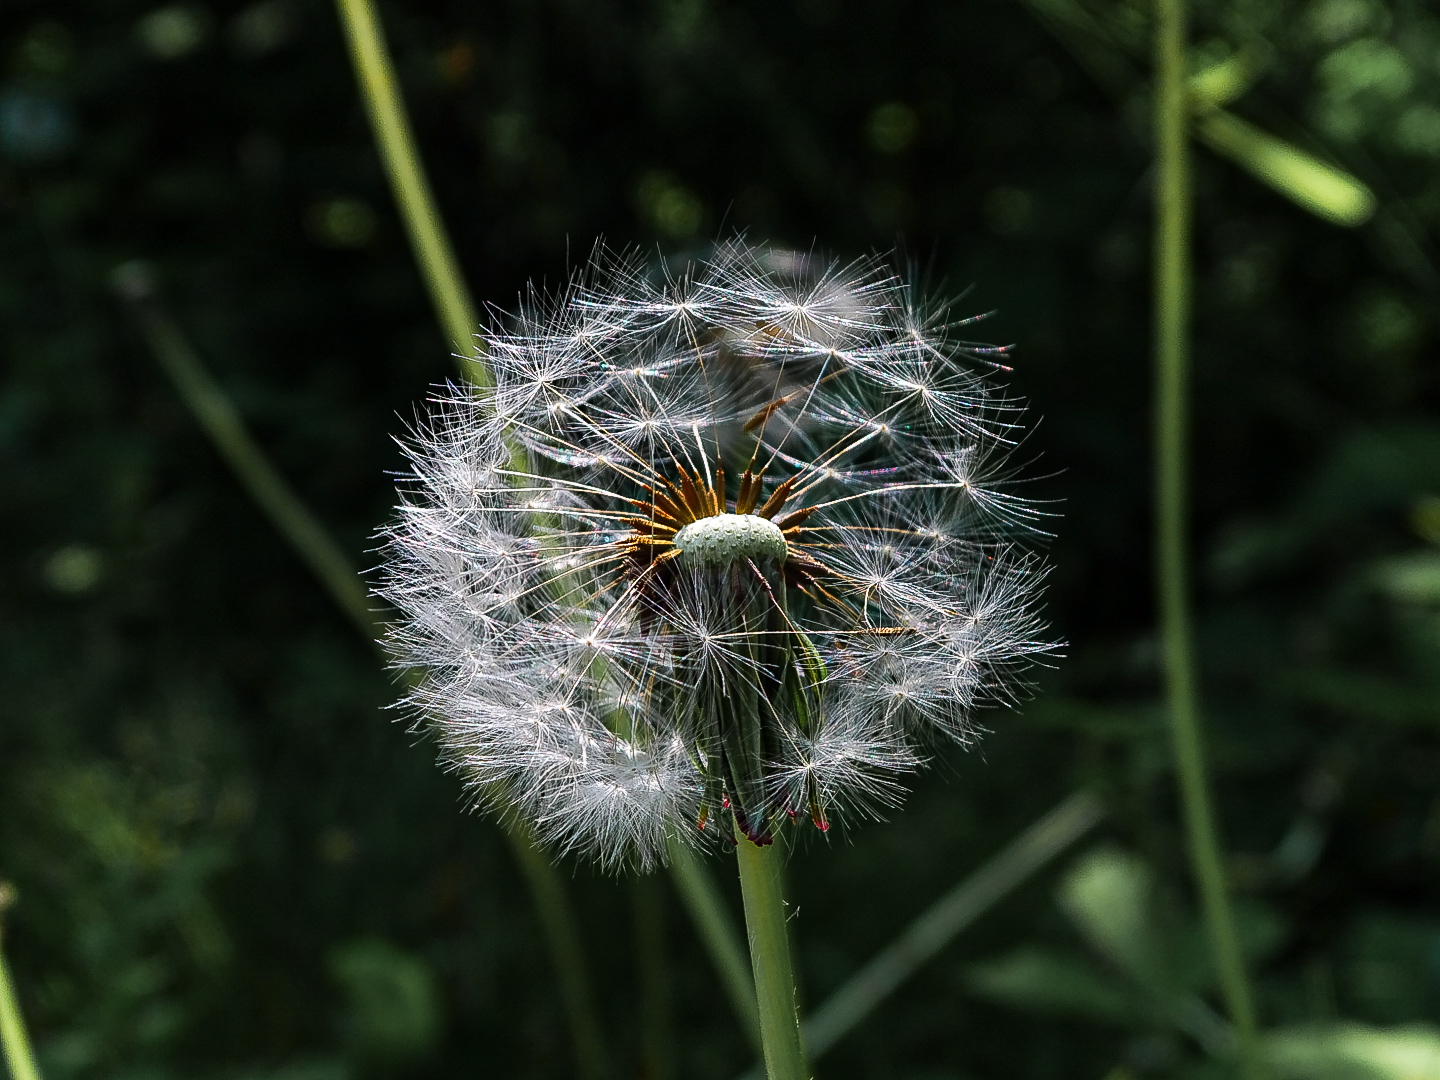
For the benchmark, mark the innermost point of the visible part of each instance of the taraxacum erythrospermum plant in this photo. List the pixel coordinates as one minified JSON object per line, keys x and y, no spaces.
{"x":730,"y":541}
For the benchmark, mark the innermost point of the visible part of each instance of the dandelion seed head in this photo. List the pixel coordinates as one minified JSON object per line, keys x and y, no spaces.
{"x":739,"y":542}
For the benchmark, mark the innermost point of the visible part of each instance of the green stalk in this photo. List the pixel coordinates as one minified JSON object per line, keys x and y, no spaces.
{"x":761,"y":886}
{"x":18,"y":1055}
{"x":222,"y":423}
{"x":391,"y":125}
{"x":456,"y":312}
{"x":1172,"y":326}
{"x":454,"y":307}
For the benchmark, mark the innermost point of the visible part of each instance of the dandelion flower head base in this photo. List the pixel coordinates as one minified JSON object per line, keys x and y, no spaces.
{"x":727,"y":539}
{"x":739,"y":540}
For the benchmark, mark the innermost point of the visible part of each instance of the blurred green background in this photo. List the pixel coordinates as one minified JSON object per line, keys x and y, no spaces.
{"x":232,"y":861}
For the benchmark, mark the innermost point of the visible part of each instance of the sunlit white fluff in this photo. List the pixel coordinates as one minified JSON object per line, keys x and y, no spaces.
{"x":587,"y":672}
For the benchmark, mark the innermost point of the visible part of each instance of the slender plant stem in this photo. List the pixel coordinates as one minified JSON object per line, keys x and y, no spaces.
{"x":761,"y":886}
{"x":1172,"y":327}
{"x":391,"y":125}
{"x":717,"y":930}
{"x":18,"y":1055}
{"x":435,"y":254}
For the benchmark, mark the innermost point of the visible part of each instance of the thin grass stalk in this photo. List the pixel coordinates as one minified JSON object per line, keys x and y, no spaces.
{"x":1172,"y":330}
{"x":226,"y":430}
{"x":762,"y":888}
{"x":289,"y":515}
{"x":717,"y":931}
{"x":13,"y":1036}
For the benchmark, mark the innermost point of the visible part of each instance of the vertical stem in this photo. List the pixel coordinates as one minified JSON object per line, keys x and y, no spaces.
{"x":762,"y":889}
{"x":16,"y":1043}
{"x":1172,"y":325}
{"x":388,"y":119}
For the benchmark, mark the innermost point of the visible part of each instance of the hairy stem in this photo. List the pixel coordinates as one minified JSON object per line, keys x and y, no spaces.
{"x":1172,"y":325}
{"x":762,"y":889}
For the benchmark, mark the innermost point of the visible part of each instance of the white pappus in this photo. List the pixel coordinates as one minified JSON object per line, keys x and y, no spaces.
{"x":731,"y":543}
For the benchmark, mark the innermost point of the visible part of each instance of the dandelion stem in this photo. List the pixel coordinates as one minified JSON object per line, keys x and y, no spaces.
{"x":456,"y":312}
{"x":761,"y":887}
{"x":727,"y":951}
{"x":376,"y":75}
{"x":1172,"y":318}
{"x":18,"y":1055}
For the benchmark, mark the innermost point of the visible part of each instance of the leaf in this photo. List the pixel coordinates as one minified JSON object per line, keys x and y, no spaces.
{"x":1413,"y":578}
{"x":1227,"y":80}
{"x":1304,"y":179}
{"x":1107,"y":895}
{"x":394,"y":1002}
{"x":1346,"y":1051}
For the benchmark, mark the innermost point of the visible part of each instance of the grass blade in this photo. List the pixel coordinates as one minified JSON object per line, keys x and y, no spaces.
{"x":288,"y":513}
{"x":952,"y":913}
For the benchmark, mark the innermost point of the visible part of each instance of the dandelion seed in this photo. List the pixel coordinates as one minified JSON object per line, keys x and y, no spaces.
{"x":739,"y":541}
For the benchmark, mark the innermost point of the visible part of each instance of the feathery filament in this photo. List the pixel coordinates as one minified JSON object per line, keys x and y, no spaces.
{"x":734,"y":542}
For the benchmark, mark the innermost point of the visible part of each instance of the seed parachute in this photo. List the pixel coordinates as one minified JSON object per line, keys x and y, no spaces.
{"x":719,"y":548}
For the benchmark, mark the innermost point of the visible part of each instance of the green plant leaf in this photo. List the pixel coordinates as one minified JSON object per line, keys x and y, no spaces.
{"x":394,"y":1004}
{"x":1107,"y":895}
{"x":1347,"y":1051}
{"x":1304,"y":179}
